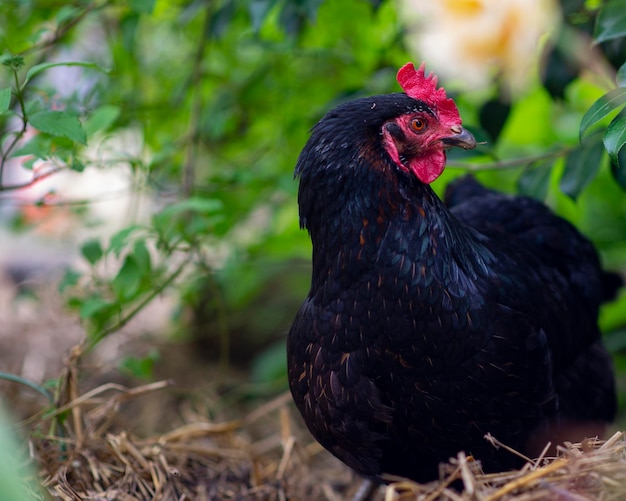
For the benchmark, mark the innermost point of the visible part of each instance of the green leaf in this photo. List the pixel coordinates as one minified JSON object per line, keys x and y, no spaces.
{"x":129,"y":26}
{"x":270,"y":364}
{"x":119,"y":239}
{"x":193,"y":204}
{"x":222,"y":18}
{"x":101,"y":119}
{"x":77,"y":165}
{"x":128,"y":280}
{"x":30,"y":384}
{"x":13,"y":463}
{"x":70,"y":279}
{"x":93,"y":306}
{"x":615,"y":136}
{"x":311,"y":7}
{"x":615,"y":341}
{"x":143,"y":367}
{"x":620,"y":78}
{"x":259,"y":9}
{"x":187,"y":218}
{"x":59,"y":123}
{"x":92,"y":251}
{"x":39,"y":146}
{"x":5,"y":99}
{"x":618,"y":169}
{"x":581,"y":167}
{"x":142,"y":256}
{"x":142,"y":6}
{"x":38,"y":68}
{"x":611,"y":21}
{"x":535,"y":180}
{"x":67,"y":13}
{"x":601,"y":108}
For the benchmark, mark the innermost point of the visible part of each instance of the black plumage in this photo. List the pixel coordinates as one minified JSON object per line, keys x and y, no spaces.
{"x":429,"y":325}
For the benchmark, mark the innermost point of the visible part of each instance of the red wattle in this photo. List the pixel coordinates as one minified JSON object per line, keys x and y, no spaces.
{"x":428,"y":168}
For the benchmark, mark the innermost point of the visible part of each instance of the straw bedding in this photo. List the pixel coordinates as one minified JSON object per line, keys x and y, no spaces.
{"x":266,"y":455}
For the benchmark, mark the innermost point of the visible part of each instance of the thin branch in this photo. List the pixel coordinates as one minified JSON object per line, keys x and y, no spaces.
{"x":129,"y":316}
{"x":61,"y":31}
{"x":19,"y":134}
{"x":197,"y":106}
{"x":77,"y":202}
{"x":33,"y":181}
{"x":511,"y":163}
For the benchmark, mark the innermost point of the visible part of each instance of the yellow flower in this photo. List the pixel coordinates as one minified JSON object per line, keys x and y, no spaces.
{"x":475,"y":40}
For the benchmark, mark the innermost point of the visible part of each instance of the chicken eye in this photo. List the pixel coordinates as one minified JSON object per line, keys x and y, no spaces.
{"x":418,"y":124}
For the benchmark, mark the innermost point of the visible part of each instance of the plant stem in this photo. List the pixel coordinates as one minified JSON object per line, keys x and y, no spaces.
{"x":197,"y":106}
{"x":34,"y":180}
{"x":511,"y":163}
{"x":18,"y":135}
{"x":130,"y":315}
{"x":17,"y":379}
{"x":61,"y":31}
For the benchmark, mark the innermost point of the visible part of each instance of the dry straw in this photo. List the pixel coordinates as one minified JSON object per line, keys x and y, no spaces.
{"x":266,"y":456}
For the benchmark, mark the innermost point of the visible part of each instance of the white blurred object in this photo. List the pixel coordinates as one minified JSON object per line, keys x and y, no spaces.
{"x":473,"y":41}
{"x":66,"y":208}
{"x":106,"y":192}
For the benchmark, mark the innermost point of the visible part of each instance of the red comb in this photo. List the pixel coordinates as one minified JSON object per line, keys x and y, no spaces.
{"x":417,"y":85}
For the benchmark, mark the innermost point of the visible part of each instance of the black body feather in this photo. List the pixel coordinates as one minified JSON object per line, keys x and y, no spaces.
{"x":429,"y":325}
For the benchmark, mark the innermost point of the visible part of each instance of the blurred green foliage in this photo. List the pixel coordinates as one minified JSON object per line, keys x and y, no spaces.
{"x":16,"y":480}
{"x":221,"y":94}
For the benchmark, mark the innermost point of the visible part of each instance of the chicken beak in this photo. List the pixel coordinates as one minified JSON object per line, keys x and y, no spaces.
{"x":461,"y":138}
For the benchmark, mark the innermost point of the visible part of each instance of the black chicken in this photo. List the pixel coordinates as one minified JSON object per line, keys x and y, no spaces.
{"x":429,"y":325}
